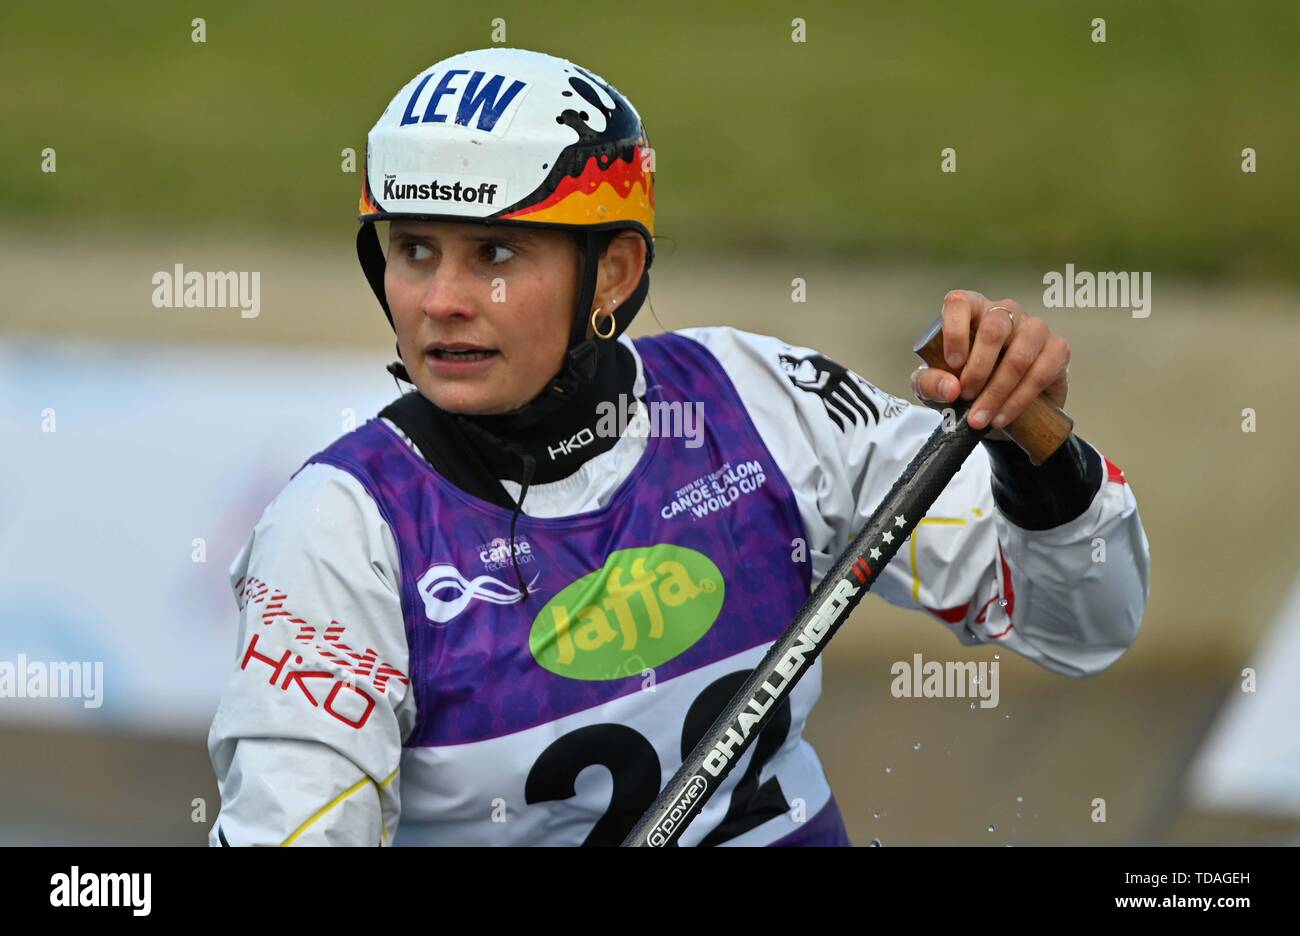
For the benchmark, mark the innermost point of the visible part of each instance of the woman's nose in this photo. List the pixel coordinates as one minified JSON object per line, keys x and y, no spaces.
{"x":451,"y":292}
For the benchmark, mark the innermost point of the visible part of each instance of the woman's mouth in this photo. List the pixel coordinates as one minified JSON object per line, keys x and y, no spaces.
{"x":459,"y":359}
{"x":450,"y":355}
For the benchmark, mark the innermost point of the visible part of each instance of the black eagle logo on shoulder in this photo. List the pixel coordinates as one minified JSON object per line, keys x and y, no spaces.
{"x":840,"y":390}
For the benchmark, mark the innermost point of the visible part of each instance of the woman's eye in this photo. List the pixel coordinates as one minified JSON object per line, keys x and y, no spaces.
{"x":497,"y":253}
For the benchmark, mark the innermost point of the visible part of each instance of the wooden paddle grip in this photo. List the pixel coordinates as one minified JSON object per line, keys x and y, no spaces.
{"x":1039,"y":430}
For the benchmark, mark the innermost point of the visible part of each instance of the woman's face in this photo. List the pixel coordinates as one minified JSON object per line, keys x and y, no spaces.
{"x":504,"y":294}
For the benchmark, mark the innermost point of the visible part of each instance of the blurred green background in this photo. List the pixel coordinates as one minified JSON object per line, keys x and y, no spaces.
{"x":1109,"y":155}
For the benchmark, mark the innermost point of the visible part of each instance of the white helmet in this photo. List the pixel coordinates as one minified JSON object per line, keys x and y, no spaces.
{"x":509,"y":136}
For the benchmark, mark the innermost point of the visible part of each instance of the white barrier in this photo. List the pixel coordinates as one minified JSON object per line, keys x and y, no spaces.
{"x":130,"y":476}
{"x":1250,"y":761}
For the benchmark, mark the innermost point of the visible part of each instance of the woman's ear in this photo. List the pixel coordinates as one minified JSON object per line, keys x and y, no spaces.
{"x":619,"y":271}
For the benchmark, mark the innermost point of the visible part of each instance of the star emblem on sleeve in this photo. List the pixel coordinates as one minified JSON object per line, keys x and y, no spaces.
{"x":887,"y":537}
{"x":899,"y":520}
{"x":875,"y":553}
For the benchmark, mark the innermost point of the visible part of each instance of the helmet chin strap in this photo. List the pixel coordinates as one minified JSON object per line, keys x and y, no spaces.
{"x":580,"y":358}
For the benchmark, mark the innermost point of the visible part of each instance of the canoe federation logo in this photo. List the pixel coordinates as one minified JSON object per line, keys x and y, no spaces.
{"x":496,"y":554}
{"x":446,"y":593}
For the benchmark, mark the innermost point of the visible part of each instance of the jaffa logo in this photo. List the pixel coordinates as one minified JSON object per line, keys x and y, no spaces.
{"x":605,"y":175}
{"x":644,"y":607}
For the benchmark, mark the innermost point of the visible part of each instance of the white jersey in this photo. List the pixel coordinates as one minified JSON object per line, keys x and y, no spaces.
{"x":324,"y":562}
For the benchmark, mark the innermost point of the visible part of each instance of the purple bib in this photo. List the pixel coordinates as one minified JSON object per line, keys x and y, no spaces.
{"x":689,"y":564}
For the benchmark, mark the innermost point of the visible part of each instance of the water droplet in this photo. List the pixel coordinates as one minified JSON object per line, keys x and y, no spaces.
{"x":997,"y":656}
{"x":990,"y":828}
{"x":1006,"y":716}
{"x":1002,"y":602}
{"x":1020,"y":798}
{"x":889,"y":770}
{"x":972,"y":705}
{"x":976,"y":680}
{"x":876,"y":843}
{"x":916,"y":746}
{"x":875,"y":815}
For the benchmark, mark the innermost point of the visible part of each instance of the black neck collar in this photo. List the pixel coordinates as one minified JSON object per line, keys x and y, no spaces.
{"x":561,"y":441}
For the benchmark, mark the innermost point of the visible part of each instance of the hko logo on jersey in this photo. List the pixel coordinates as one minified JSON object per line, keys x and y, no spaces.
{"x":642,"y":609}
{"x":566,"y":446}
{"x":465,"y":98}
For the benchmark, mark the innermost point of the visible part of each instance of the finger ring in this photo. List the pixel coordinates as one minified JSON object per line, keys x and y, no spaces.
{"x":1006,"y":310}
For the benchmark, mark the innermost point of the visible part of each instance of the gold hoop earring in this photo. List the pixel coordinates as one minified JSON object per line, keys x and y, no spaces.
{"x":613,"y":325}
